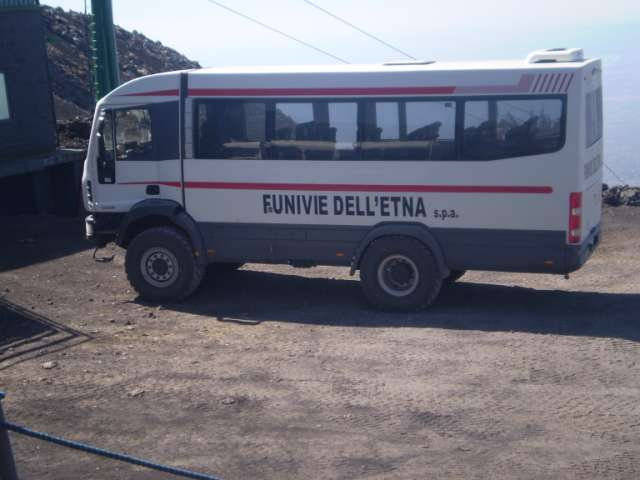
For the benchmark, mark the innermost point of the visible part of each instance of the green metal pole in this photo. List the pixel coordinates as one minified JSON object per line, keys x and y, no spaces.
{"x":106,"y":72}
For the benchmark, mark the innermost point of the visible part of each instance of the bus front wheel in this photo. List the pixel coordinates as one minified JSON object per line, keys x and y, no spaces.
{"x":161,"y":266}
{"x":399,"y":273}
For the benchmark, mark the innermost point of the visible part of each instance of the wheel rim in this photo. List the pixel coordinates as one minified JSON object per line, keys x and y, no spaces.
{"x":398,"y":275}
{"x":159,"y":267}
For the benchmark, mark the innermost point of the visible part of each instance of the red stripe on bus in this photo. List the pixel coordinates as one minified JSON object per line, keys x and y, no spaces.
{"x":566,"y":89}
{"x":543,"y":87}
{"x":165,"y":184}
{"x":549,"y":85}
{"x":341,"y":187}
{"x":564,"y":79}
{"x":535,"y":85}
{"x":544,"y":82}
{"x":300,"y":92}
{"x":524,"y":85}
{"x":155,"y":93}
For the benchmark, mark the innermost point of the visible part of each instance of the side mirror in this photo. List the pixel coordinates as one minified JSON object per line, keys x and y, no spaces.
{"x":101,"y":148}
{"x":106,"y":157}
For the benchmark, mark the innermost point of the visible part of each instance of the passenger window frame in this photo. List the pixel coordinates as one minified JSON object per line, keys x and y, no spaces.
{"x":498,"y":98}
{"x":593,"y":105}
{"x":402,"y":127}
{"x":271,"y":134}
{"x":195,"y":118}
{"x":459,"y":103}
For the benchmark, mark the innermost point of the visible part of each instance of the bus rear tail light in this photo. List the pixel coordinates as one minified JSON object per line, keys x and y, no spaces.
{"x":575,"y":217}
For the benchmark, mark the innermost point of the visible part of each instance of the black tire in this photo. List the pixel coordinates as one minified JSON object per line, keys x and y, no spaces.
{"x":222,"y":268}
{"x":165,"y":252}
{"x":400,"y":274}
{"x":454,"y":276}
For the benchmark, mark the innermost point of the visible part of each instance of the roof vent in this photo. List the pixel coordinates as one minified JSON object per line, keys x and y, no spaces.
{"x":551,"y":55}
{"x":408,"y":62}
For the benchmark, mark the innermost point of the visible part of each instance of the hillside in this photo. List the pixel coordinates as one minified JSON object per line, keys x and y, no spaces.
{"x":68,"y":48}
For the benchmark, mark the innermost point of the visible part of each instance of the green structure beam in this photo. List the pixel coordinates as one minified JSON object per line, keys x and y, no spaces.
{"x":106,"y":72}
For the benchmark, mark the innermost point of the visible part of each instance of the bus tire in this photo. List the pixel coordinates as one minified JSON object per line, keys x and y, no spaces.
{"x":399,"y":273}
{"x":161,"y":265}
{"x":454,"y":276}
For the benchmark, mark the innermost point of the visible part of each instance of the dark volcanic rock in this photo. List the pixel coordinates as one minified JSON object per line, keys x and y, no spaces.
{"x":74,"y":133}
{"x":67,"y":36}
{"x":621,"y":195}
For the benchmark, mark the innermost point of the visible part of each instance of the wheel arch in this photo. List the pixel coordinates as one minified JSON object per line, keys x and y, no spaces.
{"x":413,"y":230}
{"x":160,"y":212}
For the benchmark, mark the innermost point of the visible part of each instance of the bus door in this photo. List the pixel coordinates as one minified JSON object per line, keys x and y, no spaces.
{"x":138,"y":155}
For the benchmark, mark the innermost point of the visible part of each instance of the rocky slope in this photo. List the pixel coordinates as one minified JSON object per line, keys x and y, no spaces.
{"x":67,"y":36}
{"x":618,"y":195}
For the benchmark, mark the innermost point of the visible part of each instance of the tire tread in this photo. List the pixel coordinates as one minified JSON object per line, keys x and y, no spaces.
{"x":379,"y":301}
{"x":197,"y":269}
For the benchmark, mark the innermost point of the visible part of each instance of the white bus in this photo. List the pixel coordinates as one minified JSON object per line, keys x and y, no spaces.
{"x":411,"y":173}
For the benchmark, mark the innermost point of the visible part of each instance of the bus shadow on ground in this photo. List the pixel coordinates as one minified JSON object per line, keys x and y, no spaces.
{"x":31,"y":239}
{"x":250,"y":297}
{"x":25,"y":335}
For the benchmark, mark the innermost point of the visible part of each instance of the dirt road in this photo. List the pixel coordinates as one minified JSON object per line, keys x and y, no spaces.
{"x":278,"y":373}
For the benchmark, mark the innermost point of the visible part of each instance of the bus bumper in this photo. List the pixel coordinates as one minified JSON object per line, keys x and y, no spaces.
{"x":577,"y":255}
{"x":101,"y":228}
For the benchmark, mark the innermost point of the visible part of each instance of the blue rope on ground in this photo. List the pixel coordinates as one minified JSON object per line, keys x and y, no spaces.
{"x":101,"y":452}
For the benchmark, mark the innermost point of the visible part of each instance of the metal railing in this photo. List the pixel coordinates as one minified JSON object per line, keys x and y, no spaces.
{"x":8,"y":469}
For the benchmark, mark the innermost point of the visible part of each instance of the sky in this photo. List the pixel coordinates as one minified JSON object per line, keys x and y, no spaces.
{"x":451,"y":30}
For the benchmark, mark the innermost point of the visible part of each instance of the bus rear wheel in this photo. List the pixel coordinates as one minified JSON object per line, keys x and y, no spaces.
{"x":399,"y":273}
{"x":161,"y":266}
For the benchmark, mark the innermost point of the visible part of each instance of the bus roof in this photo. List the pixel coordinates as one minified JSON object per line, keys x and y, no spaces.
{"x":544,"y":71}
{"x":397,"y":67}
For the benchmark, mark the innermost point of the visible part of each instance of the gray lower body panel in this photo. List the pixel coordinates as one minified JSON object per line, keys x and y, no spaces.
{"x":319,"y":244}
{"x":464,"y":249}
{"x":503,"y":250}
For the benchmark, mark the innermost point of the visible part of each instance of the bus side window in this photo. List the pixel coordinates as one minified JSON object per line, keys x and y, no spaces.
{"x":506,"y":128}
{"x":381,"y":131}
{"x":593,"y":116}
{"x":294,"y":124}
{"x":133,"y":134}
{"x":409,"y":130}
{"x":431,"y":130}
{"x":106,"y":153}
{"x":318,"y":130}
{"x":230,"y":129}
{"x":343,"y":119}
{"x":480,"y":131}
